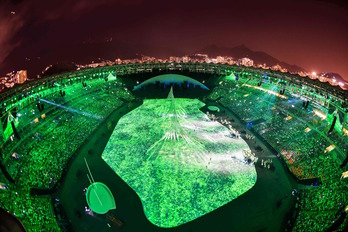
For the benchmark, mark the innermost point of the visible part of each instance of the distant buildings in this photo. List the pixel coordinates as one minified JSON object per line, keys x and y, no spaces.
{"x":246,"y":62}
{"x":21,"y":76}
{"x":220,"y":59}
{"x":277,"y":67}
{"x":147,"y":59}
{"x":8,"y":81}
{"x":174,"y":59}
{"x":199,"y":57}
{"x":13,"y":78}
{"x":185,"y":59}
{"x":4,"y":82}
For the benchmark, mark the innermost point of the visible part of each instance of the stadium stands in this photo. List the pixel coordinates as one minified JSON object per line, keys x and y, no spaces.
{"x":50,"y":135}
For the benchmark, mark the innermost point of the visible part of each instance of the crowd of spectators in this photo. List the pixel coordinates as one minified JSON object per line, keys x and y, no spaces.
{"x":319,"y":206}
{"x":301,"y":137}
{"x":313,"y":221}
{"x":49,"y":138}
{"x":34,"y":212}
{"x":39,"y":158}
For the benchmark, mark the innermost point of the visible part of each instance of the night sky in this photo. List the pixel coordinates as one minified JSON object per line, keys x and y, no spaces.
{"x":309,"y":33}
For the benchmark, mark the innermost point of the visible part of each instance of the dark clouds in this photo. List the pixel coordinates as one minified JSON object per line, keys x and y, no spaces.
{"x":309,"y":33}
{"x":9,"y":26}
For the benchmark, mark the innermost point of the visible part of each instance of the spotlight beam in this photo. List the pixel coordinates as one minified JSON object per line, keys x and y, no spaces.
{"x":72,"y":110}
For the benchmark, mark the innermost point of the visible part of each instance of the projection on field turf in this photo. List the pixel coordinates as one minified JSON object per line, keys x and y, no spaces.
{"x":181,"y":164}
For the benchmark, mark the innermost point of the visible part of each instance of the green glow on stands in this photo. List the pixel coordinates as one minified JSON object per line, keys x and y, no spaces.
{"x":338,"y":126}
{"x":8,"y":131}
{"x":111,"y":77}
{"x":230,"y":77}
{"x":181,"y":164}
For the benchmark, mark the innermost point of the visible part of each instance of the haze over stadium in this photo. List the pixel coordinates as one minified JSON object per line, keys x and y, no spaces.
{"x":34,"y":34}
{"x":173,"y":116}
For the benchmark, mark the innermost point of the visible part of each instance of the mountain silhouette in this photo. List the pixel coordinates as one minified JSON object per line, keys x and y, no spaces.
{"x":242,"y":51}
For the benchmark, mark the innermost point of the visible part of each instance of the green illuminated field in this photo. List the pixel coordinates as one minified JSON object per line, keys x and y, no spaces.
{"x":181,"y":164}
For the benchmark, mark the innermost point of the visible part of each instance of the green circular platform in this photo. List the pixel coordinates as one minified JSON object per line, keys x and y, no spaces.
{"x":214,"y":108}
{"x":99,"y":198}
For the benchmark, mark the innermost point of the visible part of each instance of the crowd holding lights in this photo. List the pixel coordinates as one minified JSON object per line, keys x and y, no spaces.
{"x":39,"y":158}
{"x":302,"y":142}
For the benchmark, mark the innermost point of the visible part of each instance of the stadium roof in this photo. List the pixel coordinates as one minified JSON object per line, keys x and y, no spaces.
{"x":171,"y":78}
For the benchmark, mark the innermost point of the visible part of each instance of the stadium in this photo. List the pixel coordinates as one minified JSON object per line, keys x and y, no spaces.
{"x":174,"y":146}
